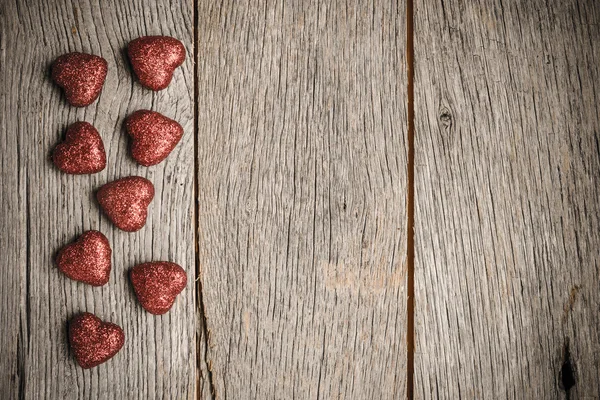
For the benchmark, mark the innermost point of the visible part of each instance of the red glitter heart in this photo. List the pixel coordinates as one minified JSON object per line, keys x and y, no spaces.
{"x":94,"y":341}
{"x":157,"y":284}
{"x":87,"y":260}
{"x":154,"y":136}
{"x":154,"y":58}
{"x":82,"y":152}
{"x":125,"y":201}
{"x":81,"y":76}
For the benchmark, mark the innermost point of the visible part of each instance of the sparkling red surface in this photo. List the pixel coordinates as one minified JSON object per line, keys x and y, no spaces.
{"x":87,"y":260}
{"x":81,"y":76}
{"x":153,"y":135}
{"x":82,"y":152}
{"x":157,"y":284}
{"x":94,"y":341}
{"x":125,"y":201}
{"x":154,"y":58}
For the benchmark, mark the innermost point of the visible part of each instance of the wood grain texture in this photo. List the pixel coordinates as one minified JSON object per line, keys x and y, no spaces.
{"x":507,"y":198}
{"x":158,"y":359}
{"x":13,"y":234}
{"x":302,"y":177}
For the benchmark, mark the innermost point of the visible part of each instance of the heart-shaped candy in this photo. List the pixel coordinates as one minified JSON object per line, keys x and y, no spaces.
{"x":125,"y":201}
{"x":94,"y":341}
{"x":82,"y":152}
{"x":157,"y":284}
{"x":87,"y":260}
{"x":154,"y":58}
{"x":81,"y":76}
{"x":153,"y":135}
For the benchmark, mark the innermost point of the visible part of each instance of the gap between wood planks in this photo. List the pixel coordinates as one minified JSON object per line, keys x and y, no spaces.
{"x":410,"y":205}
{"x":199,"y":292}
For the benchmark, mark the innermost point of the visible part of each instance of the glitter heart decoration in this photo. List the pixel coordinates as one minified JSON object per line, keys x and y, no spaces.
{"x":154,"y":59}
{"x":125,"y":202}
{"x":81,"y":76}
{"x":87,"y":260}
{"x":94,"y":341}
{"x":157,"y":284}
{"x":153,"y":136}
{"x":82,"y":152}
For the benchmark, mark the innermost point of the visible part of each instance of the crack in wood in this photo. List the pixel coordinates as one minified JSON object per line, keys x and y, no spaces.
{"x":567,"y":371}
{"x":199,"y":285}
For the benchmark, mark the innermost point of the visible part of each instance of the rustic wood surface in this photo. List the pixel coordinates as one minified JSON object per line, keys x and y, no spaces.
{"x":300,"y":144}
{"x":47,"y":209}
{"x":507,"y":199}
{"x":13,"y":235}
{"x":302,"y":178}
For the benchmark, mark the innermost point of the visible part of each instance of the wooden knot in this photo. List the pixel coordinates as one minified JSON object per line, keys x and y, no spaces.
{"x":446,"y":121}
{"x":445,"y":118}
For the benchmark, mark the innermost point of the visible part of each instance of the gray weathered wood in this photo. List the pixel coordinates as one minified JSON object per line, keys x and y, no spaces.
{"x":13,"y":235}
{"x":302,"y":177}
{"x":507,"y":198}
{"x":46,"y":209}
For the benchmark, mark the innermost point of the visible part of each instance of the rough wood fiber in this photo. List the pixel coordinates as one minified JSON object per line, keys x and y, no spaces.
{"x":13,"y":234}
{"x":48,"y":208}
{"x":507,"y":198}
{"x":302,"y":179}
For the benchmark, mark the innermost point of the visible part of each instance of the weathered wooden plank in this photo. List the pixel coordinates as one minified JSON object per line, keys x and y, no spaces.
{"x":507,"y":198}
{"x":13,"y":235}
{"x":302,"y":177}
{"x":158,"y":359}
